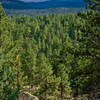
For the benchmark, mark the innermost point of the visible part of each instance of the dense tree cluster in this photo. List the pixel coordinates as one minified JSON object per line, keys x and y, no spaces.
{"x":58,"y":54}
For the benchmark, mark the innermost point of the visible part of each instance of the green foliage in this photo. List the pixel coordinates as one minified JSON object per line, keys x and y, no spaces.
{"x":87,"y":71}
{"x":2,"y":13}
{"x":44,"y":77}
{"x":58,"y":54}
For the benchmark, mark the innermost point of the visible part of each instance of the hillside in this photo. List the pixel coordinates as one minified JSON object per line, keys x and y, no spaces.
{"x":53,"y":57}
{"x":18,"y":8}
{"x":16,"y":4}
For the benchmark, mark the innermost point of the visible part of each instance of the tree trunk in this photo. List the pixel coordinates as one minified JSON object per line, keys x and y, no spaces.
{"x":61,"y":86}
{"x":46,"y":90}
{"x":45,"y":96}
{"x":77,"y":92}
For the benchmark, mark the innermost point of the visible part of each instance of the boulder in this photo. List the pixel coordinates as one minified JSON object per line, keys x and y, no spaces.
{"x":27,"y":96}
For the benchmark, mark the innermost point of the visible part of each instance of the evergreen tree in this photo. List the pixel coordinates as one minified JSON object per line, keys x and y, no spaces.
{"x":29,"y":61}
{"x":89,"y":53}
{"x":64,"y":85}
{"x":44,"y":77}
{"x":2,"y":13}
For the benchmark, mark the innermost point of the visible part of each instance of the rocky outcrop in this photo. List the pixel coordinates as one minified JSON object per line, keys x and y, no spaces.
{"x":27,"y":96}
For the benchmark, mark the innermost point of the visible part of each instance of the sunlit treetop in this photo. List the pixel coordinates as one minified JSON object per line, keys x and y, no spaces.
{"x":2,"y":13}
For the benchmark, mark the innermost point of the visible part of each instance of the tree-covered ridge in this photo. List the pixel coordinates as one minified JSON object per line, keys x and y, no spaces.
{"x":57,"y":54}
{"x":20,"y":4}
{"x":39,"y":12}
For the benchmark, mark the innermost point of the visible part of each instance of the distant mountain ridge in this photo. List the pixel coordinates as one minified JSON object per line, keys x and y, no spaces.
{"x":16,"y":4}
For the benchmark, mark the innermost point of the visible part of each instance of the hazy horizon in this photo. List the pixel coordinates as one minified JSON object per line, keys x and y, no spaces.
{"x":34,"y":0}
{"x":48,"y":0}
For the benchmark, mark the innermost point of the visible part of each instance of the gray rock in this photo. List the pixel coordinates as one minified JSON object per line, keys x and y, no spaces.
{"x":27,"y":96}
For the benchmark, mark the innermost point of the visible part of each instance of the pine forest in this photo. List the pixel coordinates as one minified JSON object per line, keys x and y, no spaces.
{"x":53,"y":57}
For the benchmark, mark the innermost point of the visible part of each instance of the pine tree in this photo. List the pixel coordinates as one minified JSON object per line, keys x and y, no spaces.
{"x":2,"y":13}
{"x":6,"y":73}
{"x":64,"y":86}
{"x":29,"y":61}
{"x":1,"y":75}
{"x":89,"y":48}
{"x":44,"y":77}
